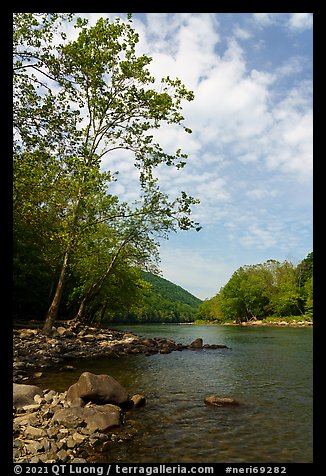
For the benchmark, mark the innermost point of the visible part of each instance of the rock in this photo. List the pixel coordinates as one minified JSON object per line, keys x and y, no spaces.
{"x":39,"y":400}
{"x":165,"y":350}
{"x":63,"y":456}
{"x":97,"y":388}
{"x":69,"y":417}
{"x":34,"y":447}
{"x":26,"y":333}
{"x":196,"y":344}
{"x":63,"y":332}
{"x":27,"y":419}
{"x":221,"y":401}
{"x":49,"y":396}
{"x":215,"y":346}
{"x":24,"y":394}
{"x":68,"y":368}
{"x":138,"y":400}
{"x":78,"y":460}
{"x":31,"y":408}
{"x":149,"y":342}
{"x":33,"y":432}
{"x":102,"y":417}
{"x":78,"y":437}
{"x":96,"y":417}
{"x":37,"y":374}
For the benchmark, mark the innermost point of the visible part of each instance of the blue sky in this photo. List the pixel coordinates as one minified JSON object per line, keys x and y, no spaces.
{"x":250,"y":152}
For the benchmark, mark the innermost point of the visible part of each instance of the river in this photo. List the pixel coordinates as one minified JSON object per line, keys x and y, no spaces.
{"x":268,"y":369}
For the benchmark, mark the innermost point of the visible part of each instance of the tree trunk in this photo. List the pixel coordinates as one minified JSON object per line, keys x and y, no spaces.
{"x":79,"y":316}
{"x":96,"y":287}
{"x":52,"y":313}
{"x":105,"y":305}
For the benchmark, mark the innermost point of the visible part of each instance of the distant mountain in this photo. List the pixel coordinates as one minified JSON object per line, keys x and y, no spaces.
{"x":168,"y":290}
{"x":163,"y":302}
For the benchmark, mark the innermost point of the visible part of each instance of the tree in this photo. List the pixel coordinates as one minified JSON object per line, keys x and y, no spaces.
{"x":286,"y":299}
{"x":210,"y":310}
{"x":81,"y":100}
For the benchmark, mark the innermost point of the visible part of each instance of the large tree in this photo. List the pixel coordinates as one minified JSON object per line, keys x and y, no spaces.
{"x":77,"y":101}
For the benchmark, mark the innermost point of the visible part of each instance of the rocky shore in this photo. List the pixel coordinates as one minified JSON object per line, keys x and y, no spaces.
{"x":50,"y":426}
{"x":33,"y":351}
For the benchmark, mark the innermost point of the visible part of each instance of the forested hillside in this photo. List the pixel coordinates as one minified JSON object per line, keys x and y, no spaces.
{"x":271,"y":289}
{"x":162,"y":301}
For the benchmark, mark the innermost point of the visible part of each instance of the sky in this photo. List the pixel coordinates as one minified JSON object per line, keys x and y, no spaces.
{"x":250,"y":152}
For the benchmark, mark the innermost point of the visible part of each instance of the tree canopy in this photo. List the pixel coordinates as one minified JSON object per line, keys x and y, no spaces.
{"x":77,"y":101}
{"x":263,"y":290}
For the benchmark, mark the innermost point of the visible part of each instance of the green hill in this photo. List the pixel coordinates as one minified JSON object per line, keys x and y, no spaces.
{"x":162,"y":302}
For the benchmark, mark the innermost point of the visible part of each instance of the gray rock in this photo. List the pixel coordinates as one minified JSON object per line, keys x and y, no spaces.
{"x":24,"y":394}
{"x":97,"y":388}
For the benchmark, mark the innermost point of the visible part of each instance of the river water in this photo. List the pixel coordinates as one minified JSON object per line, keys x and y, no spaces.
{"x":268,"y":369}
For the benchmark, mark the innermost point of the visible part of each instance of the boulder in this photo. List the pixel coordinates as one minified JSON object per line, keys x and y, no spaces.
{"x":102,"y":417}
{"x":69,"y":417}
{"x":24,"y":394}
{"x":96,"y":417}
{"x":96,"y":388}
{"x":196,"y":344}
{"x":217,"y":401}
{"x":138,"y":400}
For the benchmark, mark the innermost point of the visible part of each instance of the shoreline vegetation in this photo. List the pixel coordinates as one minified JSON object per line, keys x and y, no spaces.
{"x":292,"y":321}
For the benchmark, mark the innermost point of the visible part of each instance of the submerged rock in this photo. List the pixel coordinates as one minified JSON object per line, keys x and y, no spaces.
{"x":217,"y":401}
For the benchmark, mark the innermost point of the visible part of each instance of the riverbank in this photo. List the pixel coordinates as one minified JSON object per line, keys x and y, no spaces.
{"x":33,"y":351}
{"x":70,"y":426}
{"x":262,"y":369}
{"x":273,"y":322}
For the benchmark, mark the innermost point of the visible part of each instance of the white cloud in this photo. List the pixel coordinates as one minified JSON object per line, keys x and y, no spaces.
{"x":241,"y":33}
{"x":300,"y":21}
{"x":259,"y":237}
{"x":264,"y":19}
{"x":260,"y":193}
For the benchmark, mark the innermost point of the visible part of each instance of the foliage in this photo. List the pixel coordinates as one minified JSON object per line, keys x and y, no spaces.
{"x":162,"y":301}
{"x":76,"y":101}
{"x":263,"y":290}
